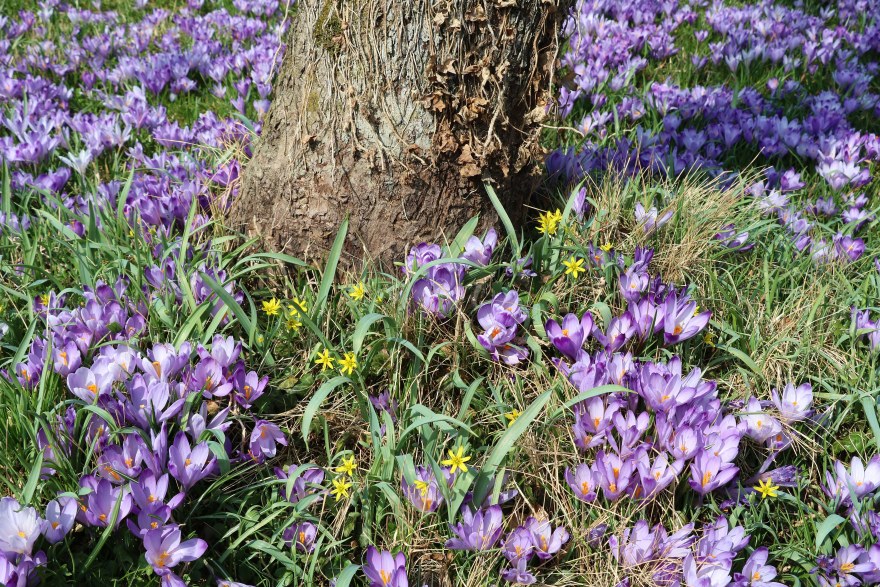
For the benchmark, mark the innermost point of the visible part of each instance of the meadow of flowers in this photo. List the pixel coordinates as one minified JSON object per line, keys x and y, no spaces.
{"x":669,"y":377}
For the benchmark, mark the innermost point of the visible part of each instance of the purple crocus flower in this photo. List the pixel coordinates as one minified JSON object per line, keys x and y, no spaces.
{"x":87,"y":385}
{"x":635,"y":546}
{"x":248,"y":387}
{"x":477,"y":531}
{"x":480,"y":252}
{"x":264,"y":438}
{"x":709,"y":472}
{"x":579,"y":204}
{"x":873,"y":556}
{"x":424,"y":493}
{"x":421,"y":254}
{"x":794,"y":405}
{"x":149,"y":492}
{"x":118,"y":462}
{"x":384,"y":569}
{"x":704,"y":574}
{"x":848,"y":247}
{"x":569,"y":338}
{"x":861,"y":480}
{"x":733,"y":241}
{"x":384,"y":403}
{"x":545,"y":539}
{"x":850,"y":561}
{"x":60,"y":516}
{"x":632,"y":283}
{"x":519,"y":574}
{"x":19,"y":527}
{"x":147,"y":520}
{"x":650,"y":219}
{"x":301,"y":535}
{"x":518,"y":545}
{"x":189,"y":465}
{"x":439,"y":291}
{"x":102,"y":501}
{"x":225,"y":351}
{"x":208,"y":377}
{"x":756,"y":572}
{"x":657,"y":476}
{"x":614,"y":474}
{"x":582,"y":482}
{"x":164,"y":549}
{"x":681,"y":320}
{"x":758,"y":425}
{"x":304,"y":476}
{"x":619,"y":331}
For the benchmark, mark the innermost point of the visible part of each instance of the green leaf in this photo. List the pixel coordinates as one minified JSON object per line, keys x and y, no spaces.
{"x":276,"y":554}
{"x":344,"y":578}
{"x":316,"y":401}
{"x":330,"y":270}
{"x":825,"y":528}
{"x":220,"y":453}
{"x":27,"y":494}
{"x":505,"y":443}
{"x":230,"y":302}
{"x":466,"y":232}
{"x":468,"y":397}
{"x":122,"y":198}
{"x":747,"y":360}
{"x":505,"y":219}
{"x":602,"y":389}
{"x":869,"y":405}
{"x":362,"y":329}
{"x":105,"y":535}
{"x":274,"y":256}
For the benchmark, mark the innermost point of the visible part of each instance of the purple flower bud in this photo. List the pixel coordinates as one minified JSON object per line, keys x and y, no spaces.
{"x":164,"y":549}
{"x":19,"y":527}
{"x":383,"y":569}
{"x":264,"y":438}
{"x":546,"y":540}
{"x":477,"y":531}
{"x":569,"y":338}
{"x":189,"y":465}
{"x":60,"y":516}
{"x":301,"y":535}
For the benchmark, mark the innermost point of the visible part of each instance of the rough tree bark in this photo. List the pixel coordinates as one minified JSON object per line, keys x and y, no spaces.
{"x":394,"y":112}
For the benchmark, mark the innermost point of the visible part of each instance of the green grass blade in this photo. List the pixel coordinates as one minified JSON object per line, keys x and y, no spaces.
{"x":330,"y":270}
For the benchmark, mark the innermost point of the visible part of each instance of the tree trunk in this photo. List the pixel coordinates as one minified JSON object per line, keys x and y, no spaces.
{"x":394,"y":112}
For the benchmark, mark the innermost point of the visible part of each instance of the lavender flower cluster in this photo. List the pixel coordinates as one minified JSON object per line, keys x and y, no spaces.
{"x":673,"y":421}
{"x":681,"y":558}
{"x":676,"y":127}
{"x":440,"y":287}
{"x":160,"y":422}
{"x":95,"y":92}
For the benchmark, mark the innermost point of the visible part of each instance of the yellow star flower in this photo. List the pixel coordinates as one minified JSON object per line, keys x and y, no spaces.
{"x":766,"y":488}
{"x":606,"y":247}
{"x":297,"y":306}
{"x":422,"y":486}
{"x":357,"y":292}
{"x":348,"y":364}
{"x":548,"y":222}
{"x":347,"y":466}
{"x":271,"y":307}
{"x":325,"y":360}
{"x":293,"y":324}
{"x":341,"y":486}
{"x":709,"y":339}
{"x":512,"y":415}
{"x":574,"y":267}
{"x":456,"y":460}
